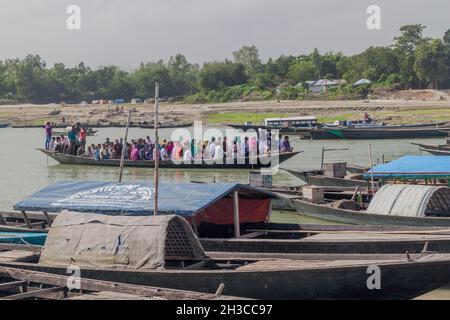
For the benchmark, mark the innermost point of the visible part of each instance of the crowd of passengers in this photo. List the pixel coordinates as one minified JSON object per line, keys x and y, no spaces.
{"x":144,"y":148}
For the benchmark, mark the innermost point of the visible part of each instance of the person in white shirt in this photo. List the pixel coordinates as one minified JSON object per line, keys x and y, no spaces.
{"x":187,"y":158}
{"x":212,"y":148}
{"x":218,"y":153}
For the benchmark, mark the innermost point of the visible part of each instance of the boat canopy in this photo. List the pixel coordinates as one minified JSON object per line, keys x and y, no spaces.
{"x":411,"y":201}
{"x":146,"y":242}
{"x":413,"y":167}
{"x":203,"y":202}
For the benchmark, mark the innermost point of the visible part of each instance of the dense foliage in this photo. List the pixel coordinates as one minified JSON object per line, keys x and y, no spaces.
{"x":413,"y":61}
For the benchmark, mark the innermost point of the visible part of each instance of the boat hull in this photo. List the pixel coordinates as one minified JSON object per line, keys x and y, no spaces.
{"x":322,"y":181}
{"x":312,"y":246}
{"x":249,"y":163}
{"x":362,"y":218}
{"x":436,"y":152}
{"x":378,"y":133}
{"x":400,"y":280}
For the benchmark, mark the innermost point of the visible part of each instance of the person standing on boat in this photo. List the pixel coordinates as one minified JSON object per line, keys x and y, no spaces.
{"x":286,"y":145}
{"x":48,"y":135}
{"x":246,"y":148}
{"x":225,"y":148}
{"x":218,"y":152}
{"x":72,"y":135}
{"x":82,"y":136}
{"x":212,"y":148}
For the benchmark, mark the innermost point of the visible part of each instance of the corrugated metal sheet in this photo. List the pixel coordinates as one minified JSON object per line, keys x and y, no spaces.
{"x":410,"y":201}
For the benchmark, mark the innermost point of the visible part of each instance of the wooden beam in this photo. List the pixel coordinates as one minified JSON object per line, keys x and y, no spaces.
{"x":49,"y":221}
{"x":2,"y":220}
{"x":99,"y":285}
{"x":11,"y":285}
{"x":237,"y":227}
{"x":27,"y":221}
{"x":22,"y":247}
{"x":36,"y":293}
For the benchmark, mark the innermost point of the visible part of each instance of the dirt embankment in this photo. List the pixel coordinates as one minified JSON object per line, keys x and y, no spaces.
{"x":175,"y":114}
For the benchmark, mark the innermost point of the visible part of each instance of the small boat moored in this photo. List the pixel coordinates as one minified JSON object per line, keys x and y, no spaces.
{"x":163,"y":251}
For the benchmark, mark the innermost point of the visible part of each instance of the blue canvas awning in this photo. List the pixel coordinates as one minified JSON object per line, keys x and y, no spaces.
{"x":133,"y":198}
{"x":413,"y":167}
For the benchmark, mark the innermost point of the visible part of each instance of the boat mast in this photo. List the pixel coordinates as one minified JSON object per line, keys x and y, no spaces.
{"x":124,"y":145}
{"x":156,"y":124}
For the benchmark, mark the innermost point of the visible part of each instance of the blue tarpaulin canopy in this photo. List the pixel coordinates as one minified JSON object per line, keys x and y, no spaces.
{"x":134,"y":198}
{"x":413,"y":167}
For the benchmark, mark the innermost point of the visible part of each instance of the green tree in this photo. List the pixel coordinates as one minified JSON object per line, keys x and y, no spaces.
{"x":183,"y":74}
{"x":430,"y":62}
{"x":301,"y":71}
{"x":218,"y":74}
{"x":317,"y":62}
{"x":405,"y":44}
{"x":248,"y":56}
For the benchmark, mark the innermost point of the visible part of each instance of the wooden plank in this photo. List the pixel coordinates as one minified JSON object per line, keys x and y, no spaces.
{"x":98,"y":285}
{"x":2,"y":220}
{"x":11,"y":285}
{"x":36,"y":293}
{"x":21,"y":247}
{"x":27,"y":221}
{"x":47,"y":217}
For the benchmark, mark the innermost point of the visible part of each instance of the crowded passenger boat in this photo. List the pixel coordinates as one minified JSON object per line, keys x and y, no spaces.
{"x":184,"y":149}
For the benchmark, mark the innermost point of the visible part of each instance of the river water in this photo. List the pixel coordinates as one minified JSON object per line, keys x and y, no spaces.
{"x":24,"y":170}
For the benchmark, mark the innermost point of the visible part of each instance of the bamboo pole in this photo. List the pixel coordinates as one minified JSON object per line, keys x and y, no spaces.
{"x":323,"y":157}
{"x":124,"y":145}
{"x":156,"y":176}
{"x":371,"y":168}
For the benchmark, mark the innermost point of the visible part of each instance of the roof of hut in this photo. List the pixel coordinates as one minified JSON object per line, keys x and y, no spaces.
{"x":411,"y":201}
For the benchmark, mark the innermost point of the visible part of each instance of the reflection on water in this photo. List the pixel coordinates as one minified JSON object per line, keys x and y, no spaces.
{"x":24,"y":170}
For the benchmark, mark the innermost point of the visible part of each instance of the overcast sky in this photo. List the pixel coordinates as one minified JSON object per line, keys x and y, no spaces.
{"x":126,"y":32}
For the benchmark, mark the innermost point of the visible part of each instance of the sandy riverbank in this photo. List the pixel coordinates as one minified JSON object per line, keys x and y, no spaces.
{"x":392,"y":111}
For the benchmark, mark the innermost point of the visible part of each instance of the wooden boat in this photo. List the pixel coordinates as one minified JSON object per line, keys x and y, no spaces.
{"x":244,"y":163}
{"x":326,"y":212}
{"x":166,"y":126}
{"x":304,"y":174}
{"x":437,"y":152}
{"x":444,"y":147}
{"x":296,"y":131}
{"x":316,"y":178}
{"x":286,"y":239}
{"x":346,"y":243}
{"x":330,"y":277}
{"x":356,"y":169}
{"x":379,"y":133}
{"x":323,"y":181}
{"x":22,"y":284}
{"x":180,"y":263}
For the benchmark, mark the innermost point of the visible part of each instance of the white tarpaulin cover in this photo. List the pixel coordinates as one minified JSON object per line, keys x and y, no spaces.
{"x":97,"y":240}
{"x":410,"y":200}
